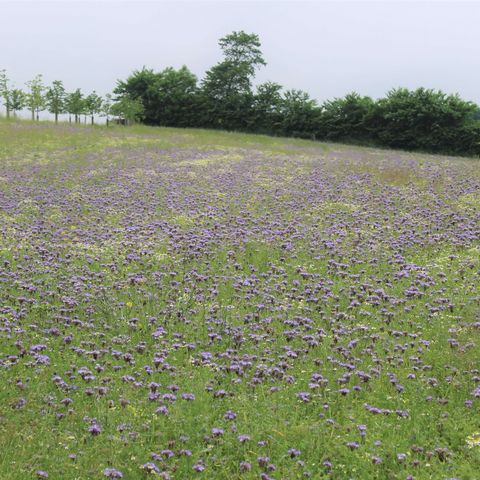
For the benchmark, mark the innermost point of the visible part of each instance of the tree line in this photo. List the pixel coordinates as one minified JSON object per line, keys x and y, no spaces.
{"x":421,"y":119}
{"x":56,"y":100}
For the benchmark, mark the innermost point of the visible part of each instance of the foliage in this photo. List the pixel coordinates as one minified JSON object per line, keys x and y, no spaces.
{"x":75,"y":104}
{"x":128,"y":108}
{"x":93,"y":105}
{"x":140,"y":86}
{"x":299,"y":114}
{"x":421,"y":119}
{"x":5,"y":91}
{"x":344,"y":118}
{"x":227,"y":87}
{"x":17,"y":100}
{"x":225,"y":98}
{"x":35,"y":98}
{"x":106,"y":109}
{"x":267,"y":108}
{"x":55,"y":98}
{"x":175,"y":95}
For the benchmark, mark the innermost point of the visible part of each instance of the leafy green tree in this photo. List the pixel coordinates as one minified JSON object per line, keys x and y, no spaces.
{"x":35,"y":99}
{"x":74,"y":104}
{"x":299,"y":114}
{"x":174,"y":94}
{"x":267,"y":106}
{"x":106,"y":109}
{"x":140,"y":85}
{"x":55,"y":98}
{"x":93,"y":105}
{"x":344,"y":118}
{"x":227,"y":87}
{"x":17,"y":100}
{"x":129,"y":109}
{"x":5,"y":91}
{"x":243,"y":49}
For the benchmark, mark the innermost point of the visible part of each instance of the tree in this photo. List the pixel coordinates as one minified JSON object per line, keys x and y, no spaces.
{"x":106,"y":109}
{"x":421,"y":119}
{"x":55,"y":98}
{"x":169,"y":97}
{"x":299,"y":114}
{"x":129,"y":109}
{"x":93,"y":105}
{"x":35,"y":99}
{"x":240,"y":48}
{"x":174,"y":94}
{"x":17,"y":100}
{"x":4,"y":91}
{"x":344,"y":118}
{"x":227,"y":86}
{"x":140,"y":85}
{"x":74,"y":104}
{"x":267,"y":105}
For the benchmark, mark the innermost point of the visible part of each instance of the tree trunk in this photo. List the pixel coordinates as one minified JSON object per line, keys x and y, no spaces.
{"x":69,"y":118}
{"x":56,"y":117}
{"x":33,"y":114}
{"x":92,"y":119}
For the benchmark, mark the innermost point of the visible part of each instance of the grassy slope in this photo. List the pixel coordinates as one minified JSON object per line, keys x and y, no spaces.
{"x":220,"y":236}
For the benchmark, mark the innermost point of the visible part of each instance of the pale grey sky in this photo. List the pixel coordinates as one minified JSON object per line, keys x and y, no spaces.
{"x":325,"y":48}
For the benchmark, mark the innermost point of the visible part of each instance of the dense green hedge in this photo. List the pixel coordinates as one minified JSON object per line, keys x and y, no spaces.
{"x":422,"y":119}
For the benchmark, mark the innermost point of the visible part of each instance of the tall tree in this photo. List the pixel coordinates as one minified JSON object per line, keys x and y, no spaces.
{"x":106,"y":110}
{"x":5,"y":91}
{"x":74,"y":104}
{"x":267,"y":107}
{"x":55,"y":98}
{"x":93,"y":105}
{"x":227,"y":86}
{"x":35,"y":99}
{"x":300,"y":114}
{"x":240,"y":48}
{"x":17,"y":100}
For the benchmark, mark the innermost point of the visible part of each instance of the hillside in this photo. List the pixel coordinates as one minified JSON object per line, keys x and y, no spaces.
{"x":192,"y":303}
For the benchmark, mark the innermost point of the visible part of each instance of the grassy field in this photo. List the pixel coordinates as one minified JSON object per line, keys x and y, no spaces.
{"x":193,"y":304}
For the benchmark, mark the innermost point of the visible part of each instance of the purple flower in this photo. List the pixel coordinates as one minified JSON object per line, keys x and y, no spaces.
{"x":112,"y":473}
{"x":199,"y":467}
{"x":230,"y":415}
{"x":95,"y":429}
{"x":293,"y":452}
{"x":245,"y":467}
{"x":150,"y":467}
{"x":304,"y":396}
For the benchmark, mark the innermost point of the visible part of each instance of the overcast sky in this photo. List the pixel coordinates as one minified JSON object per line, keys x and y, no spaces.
{"x":325,"y":48}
